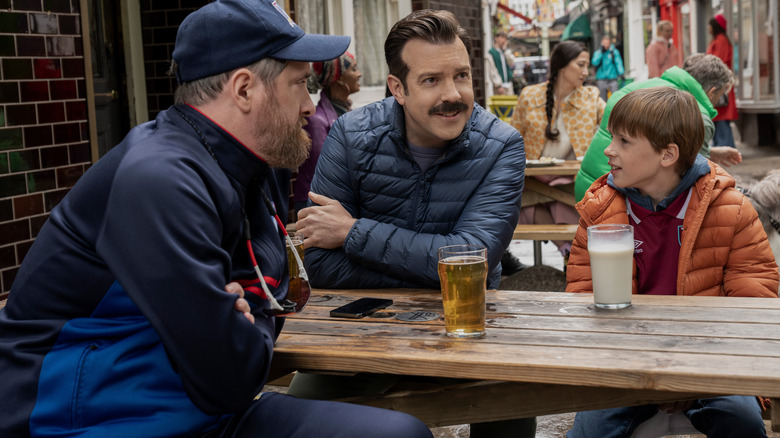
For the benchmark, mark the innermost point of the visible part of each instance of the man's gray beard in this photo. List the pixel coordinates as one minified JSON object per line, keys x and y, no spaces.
{"x":284,"y":146}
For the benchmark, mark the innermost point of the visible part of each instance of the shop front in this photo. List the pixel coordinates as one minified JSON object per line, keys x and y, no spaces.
{"x":752,"y":27}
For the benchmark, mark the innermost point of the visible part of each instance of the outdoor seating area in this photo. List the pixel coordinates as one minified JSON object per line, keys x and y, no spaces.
{"x":390,"y":218}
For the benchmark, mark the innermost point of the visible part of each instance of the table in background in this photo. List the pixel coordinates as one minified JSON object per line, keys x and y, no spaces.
{"x":538,"y":192}
{"x":544,"y":352}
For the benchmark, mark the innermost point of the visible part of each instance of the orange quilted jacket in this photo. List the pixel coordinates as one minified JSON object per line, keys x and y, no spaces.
{"x":724,"y":249}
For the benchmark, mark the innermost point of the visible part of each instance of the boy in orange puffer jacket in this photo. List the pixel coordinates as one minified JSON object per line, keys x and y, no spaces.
{"x":694,"y":234}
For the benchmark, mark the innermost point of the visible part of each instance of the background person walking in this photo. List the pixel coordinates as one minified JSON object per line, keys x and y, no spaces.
{"x":721,"y":47}
{"x":661,"y":54}
{"x":609,"y":66}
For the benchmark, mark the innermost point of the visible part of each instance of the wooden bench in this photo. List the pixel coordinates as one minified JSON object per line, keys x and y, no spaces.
{"x":540,"y":232}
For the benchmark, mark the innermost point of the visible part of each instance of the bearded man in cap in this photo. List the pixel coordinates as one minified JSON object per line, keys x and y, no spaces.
{"x":140,"y":309}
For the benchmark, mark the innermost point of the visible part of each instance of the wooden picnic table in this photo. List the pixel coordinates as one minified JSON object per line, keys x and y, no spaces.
{"x":544,"y":352}
{"x":538,"y":192}
{"x":565,"y":168}
{"x":549,"y":193}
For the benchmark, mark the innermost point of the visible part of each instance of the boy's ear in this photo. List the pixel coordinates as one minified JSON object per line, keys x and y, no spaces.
{"x":670,"y":155}
{"x":396,"y":87}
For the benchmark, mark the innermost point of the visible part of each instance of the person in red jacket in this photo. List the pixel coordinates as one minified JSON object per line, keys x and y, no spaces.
{"x":694,"y":234}
{"x":720,"y":46}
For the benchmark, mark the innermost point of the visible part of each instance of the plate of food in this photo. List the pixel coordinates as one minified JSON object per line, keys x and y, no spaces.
{"x":543,"y":162}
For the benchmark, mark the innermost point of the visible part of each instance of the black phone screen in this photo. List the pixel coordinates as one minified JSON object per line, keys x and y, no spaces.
{"x":360,"y":308}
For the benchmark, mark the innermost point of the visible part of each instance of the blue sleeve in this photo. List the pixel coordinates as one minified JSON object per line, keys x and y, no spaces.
{"x":377,"y":254}
{"x":619,"y":63}
{"x":596,"y":59}
{"x":162,"y":239}
{"x":332,"y":268}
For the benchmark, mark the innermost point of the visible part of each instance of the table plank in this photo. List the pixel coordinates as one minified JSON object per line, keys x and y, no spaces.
{"x":519,"y":303}
{"x":549,"y":191}
{"x":569,"y":168}
{"x":545,"y":232}
{"x":600,"y":367}
{"x":709,"y":343}
{"x":482,"y":401}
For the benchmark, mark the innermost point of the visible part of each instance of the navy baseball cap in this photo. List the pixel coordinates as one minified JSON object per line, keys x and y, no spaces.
{"x":227,"y":34}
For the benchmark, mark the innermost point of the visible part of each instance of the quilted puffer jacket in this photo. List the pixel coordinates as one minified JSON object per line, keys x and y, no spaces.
{"x":471,"y":195}
{"x":724,"y":248}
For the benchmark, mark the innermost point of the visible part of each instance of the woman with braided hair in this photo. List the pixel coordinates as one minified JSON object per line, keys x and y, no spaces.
{"x":337,"y":78}
{"x":558,"y":119}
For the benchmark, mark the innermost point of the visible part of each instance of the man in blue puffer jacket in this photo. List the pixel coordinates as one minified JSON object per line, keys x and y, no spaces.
{"x":400,"y":178}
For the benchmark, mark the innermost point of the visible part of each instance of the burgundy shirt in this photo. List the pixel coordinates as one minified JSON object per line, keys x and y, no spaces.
{"x":657,"y":239}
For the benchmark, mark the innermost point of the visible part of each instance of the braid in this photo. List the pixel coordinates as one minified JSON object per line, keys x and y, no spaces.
{"x":550,"y":131}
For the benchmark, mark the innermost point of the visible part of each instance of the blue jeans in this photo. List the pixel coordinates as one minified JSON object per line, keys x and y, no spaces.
{"x":723,"y":135}
{"x":735,"y":416}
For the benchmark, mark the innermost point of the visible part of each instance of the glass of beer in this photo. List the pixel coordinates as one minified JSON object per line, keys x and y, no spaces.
{"x":463,"y":275}
{"x":611,"y":251}
{"x":294,"y":291}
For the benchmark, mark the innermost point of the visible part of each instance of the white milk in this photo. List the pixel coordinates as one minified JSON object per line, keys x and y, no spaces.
{"x":610,"y":266}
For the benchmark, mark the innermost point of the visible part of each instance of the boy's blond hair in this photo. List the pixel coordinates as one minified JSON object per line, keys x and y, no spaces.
{"x":662,"y":115}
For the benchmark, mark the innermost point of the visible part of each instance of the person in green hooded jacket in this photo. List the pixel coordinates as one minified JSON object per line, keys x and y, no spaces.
{"x":706,"y":77}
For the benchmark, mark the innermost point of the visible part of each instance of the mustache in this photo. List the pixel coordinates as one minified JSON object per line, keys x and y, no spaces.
{"x":448,"y":107}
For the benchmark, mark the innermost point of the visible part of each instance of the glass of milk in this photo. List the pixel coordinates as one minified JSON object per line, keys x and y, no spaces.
{"x":611,"y":250}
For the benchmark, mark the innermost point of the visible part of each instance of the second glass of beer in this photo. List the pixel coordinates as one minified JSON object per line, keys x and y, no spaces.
{"x":463,"y":275}
{"x":294,"y":291}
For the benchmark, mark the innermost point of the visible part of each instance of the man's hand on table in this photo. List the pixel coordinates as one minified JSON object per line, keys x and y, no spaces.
{"x":242,"y":305}
{"x":324,"y":225}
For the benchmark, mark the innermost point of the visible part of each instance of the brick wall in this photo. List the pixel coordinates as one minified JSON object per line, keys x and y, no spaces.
{"x":469,"y":14}
{"x":44,"y":140}
{"x":160,"y":20}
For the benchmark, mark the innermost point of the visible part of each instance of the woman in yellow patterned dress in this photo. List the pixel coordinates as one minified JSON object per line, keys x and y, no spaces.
{"x":558,"y":119}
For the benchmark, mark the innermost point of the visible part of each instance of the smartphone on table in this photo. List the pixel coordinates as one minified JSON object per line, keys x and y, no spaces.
{"x":360,"y":308}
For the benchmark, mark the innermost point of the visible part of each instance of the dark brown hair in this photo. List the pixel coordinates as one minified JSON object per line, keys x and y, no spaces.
{"x":717,"y":30}
{"x":560,"y":57}
{"x":431,"y":26}
{"x":662,"y":115}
